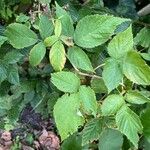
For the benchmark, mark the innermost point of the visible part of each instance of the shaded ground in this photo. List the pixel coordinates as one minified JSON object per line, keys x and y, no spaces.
{"x":34,"y":133}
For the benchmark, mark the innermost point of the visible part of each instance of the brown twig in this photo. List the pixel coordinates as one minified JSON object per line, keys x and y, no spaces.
{"x":142,"y":23}
{"x":86,"y":74}
{"x":144,"y":11}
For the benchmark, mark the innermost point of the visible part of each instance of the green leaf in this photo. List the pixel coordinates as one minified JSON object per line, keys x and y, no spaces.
{"x":37,"y":53}
{"x":72,"y":143}
{"x":79,"y":59}
{"x":49,"y":41}
{"x":22,"y":18}
{"x":2,"y":40}
{"x":20,"y":35}
{"x":67,"y":23}
{"x":110,"y":139}
{"x":5,"y":102}
{"x":112,"y":104}
{"x":136,"y":97}
{"x":129,"y":124}
{"x":91,"y":131}
{"x":121,"y":44}
{"x":12,"y":74}
{"x":65,"y":81}
{"x":45,"y":26}
{"x":135,"y":69}
{"x":112,"y":74}
{"x":88,"y":100}
{"x":94,"y":30}
{"x":98,"y":85}
{"x":58,"y":28}
{"x":12,"y":57}
{"x":142,"y":38}
{"x":3,"y":73}
{"x":67,"y":115}
{"x":146,"y":123}
{"x":146,"y":56}
{"x":57,"y":56}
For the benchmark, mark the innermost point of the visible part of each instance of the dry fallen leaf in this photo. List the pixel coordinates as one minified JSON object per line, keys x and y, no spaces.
{"x":49,"y":140}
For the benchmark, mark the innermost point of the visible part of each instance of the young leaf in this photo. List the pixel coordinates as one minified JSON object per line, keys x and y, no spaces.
{"x":49,"y":41}
{"x":57,"y":56}
{"x":91,"y":131}
{"x":67,"y":23}
{"x":112,"y":104}
{"x":135,"y":97}
{"x":135,"y":69}
{"x":142,"y":38}
{"x":2,"y":40}
{"x":66,"y":115}
{"x":129,"y":124}
{"x":112,"y":74}
{"x":121,"y":44}
{"x":20,"y":35}
{"x":45,"y":26}
{"x":146,"y":123}
{"x":94,"y":30}
{"x":88,"y":100}
{"x":110,"y":139}
{"x":58,"y":28}
{"x":37,"y":53}
{"x":12,"y":57}
{"x":65,"y":81}
{"x":79,"y":59}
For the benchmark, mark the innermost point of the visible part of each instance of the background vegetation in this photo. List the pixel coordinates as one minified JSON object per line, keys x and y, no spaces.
{"x":74,"y":74}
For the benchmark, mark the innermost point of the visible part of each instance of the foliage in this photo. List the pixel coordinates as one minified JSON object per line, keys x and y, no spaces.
{"x":85,"y":64}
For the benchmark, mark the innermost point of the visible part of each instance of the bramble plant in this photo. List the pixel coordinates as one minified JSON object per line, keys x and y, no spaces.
{"x":88,"y":69}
